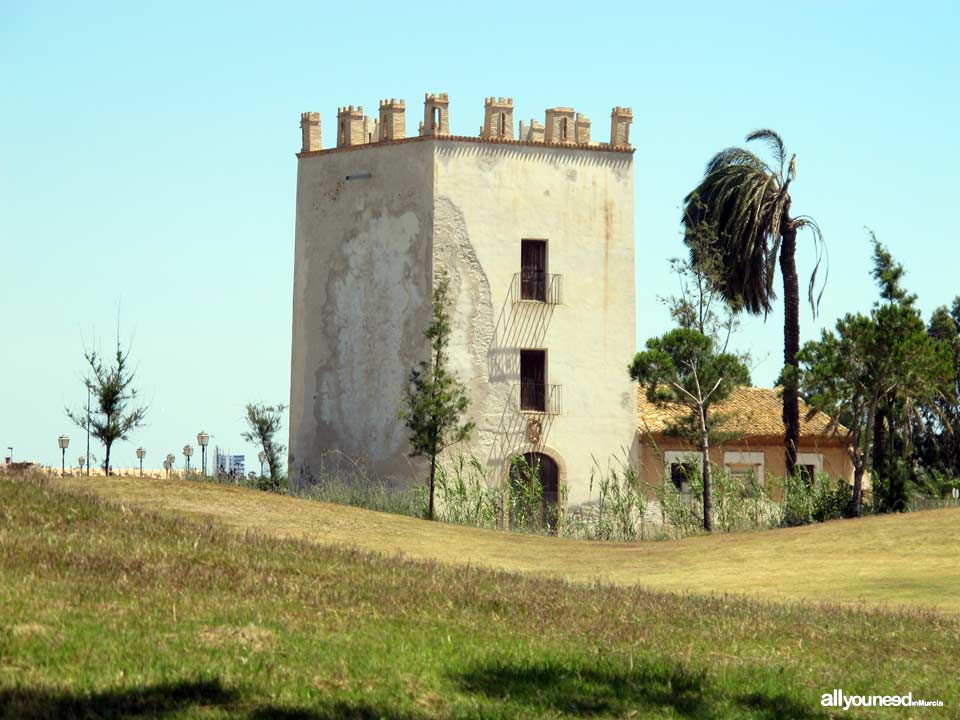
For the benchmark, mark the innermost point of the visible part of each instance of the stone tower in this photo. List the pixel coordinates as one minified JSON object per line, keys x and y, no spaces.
{"x":536,"y":236}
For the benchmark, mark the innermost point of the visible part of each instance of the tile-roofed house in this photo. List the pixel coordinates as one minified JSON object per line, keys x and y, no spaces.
{"x":750,"y":411}
{"x":752,"y":418}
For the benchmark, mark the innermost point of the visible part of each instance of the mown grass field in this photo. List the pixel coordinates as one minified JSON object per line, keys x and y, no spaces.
{"x":911,"y":559}
{"x":108,"y":611}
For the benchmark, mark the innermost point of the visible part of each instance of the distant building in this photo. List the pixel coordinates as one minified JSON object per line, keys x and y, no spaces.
{"x":224,"y":464}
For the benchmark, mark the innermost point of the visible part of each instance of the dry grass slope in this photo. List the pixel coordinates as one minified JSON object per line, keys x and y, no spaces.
{"x":108,"y":612}
{"x":908,"y":559}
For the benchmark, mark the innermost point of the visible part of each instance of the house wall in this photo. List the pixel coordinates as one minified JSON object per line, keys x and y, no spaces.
{"x":490,"y":196}
{"x":361,"y":301}
{"x":835,"y":460}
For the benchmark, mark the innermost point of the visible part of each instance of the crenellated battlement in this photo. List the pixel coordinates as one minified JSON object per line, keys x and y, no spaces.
{"x":310,"y":130}
{"x":562,"y":126}
{"x":497,"y":118}
{"x":436,"y":115}
{"x":393,"y":120}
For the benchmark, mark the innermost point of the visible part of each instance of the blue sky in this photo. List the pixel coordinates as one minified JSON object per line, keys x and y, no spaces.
{"x":147,"y":162}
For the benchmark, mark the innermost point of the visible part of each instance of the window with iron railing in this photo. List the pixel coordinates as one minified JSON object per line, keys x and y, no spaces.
{"x":533,"y":283}
{"x":535,"y":395}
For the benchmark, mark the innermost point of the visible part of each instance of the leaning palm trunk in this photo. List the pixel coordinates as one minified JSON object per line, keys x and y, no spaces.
{"x":791,"y":346}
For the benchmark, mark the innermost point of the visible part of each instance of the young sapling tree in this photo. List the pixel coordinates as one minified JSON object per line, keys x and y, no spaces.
{"x":436,"y":400}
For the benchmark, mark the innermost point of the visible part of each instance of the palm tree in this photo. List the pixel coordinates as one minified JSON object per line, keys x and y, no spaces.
{"x":748,"y":201}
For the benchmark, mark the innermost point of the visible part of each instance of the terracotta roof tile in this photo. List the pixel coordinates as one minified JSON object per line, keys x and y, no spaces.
{"x":753,"y":411}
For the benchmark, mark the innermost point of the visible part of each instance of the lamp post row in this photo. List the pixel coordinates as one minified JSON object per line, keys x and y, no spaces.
{"x":203,"y":440}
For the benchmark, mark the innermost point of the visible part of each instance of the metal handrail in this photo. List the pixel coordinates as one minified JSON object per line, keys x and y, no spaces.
{"x":537,"y":286}
{"x":538,"y":398}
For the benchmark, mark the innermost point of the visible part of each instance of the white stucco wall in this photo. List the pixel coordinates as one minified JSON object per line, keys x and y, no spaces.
{"x":488,"y":198}
{"x":361,"y":302}
{"x":365,"y":252}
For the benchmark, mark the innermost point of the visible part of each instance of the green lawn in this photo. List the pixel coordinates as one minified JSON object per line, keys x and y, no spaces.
{"x":108,"y":611}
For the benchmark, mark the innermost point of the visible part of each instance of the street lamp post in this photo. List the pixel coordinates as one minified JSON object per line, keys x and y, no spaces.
{"x":140,"y":453}
{"x":261,"y":456}
{"x":187,"y":452}
{"x":88,"y":431}
{"x":202,"y":440}
{"x":64,"y":442}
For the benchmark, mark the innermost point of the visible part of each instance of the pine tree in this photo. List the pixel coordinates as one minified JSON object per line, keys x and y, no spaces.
{"x":435,"y":398}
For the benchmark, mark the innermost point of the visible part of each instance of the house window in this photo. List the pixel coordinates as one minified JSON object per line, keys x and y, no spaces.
{"x":563,"y":129}
{"x":742,"y":471}
{"x":533,"y":378}
{"x":533,"y":270}
{"x":680,"y":475}
{"x":809,"y":464}
{"x":436,"y":119}
{"x":682,"y":466}
{"x":746,"y":466}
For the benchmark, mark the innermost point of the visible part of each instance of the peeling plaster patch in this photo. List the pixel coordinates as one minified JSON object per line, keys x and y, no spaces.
{"x":374,"y":295}
{"x":473,"y":331}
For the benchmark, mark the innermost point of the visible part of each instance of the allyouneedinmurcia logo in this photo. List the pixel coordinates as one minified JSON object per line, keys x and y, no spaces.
{"x":837,"y":699}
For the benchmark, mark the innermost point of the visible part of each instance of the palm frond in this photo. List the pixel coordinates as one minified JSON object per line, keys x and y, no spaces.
{"x":773,"y":139}
{"x":739,"y":198}
{"x":807,"y":222}
{"x":735,"y":156}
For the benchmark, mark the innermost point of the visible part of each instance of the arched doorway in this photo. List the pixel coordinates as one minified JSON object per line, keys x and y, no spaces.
{"x":534,"y":492}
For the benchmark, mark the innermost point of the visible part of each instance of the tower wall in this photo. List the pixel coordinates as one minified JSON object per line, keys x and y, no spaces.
{"x":362,"y":269}
{"x":583,"y":208}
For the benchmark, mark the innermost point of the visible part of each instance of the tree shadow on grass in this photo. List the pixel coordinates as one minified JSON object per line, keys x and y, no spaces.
{"x":606,"y":689}
{"x":339,"y":710}
{"x":152,"y":701}
{"x":164,"y":699}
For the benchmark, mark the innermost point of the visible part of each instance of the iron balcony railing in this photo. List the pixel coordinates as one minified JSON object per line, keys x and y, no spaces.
{"x":537,"y":286}
{"x":538,"y":398}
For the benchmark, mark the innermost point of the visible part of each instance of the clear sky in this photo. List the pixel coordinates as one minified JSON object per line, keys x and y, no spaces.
{"x":147,"y":163}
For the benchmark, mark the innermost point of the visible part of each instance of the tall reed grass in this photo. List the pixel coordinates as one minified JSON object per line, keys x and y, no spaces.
{"x":620,"y":507}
